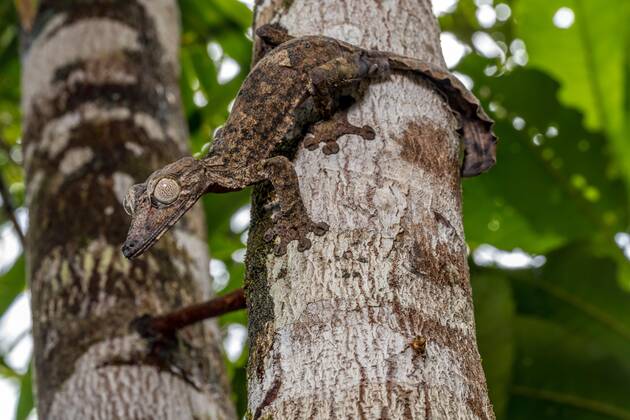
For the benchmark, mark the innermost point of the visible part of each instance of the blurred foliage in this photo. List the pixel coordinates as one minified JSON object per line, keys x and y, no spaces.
{"x":554,"y":338}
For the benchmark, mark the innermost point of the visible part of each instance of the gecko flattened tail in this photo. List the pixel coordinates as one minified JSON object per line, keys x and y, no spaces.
{"x":476,"y":126}
{"x":479,"y":151}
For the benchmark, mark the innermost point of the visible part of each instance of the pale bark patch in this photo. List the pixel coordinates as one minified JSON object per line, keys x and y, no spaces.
{"x":74,"y":159}
{"x":150,"y":125}
{"x":46,"y":55}
{"x":57,"y":132}
{"x":100,"y":389}
{"x":165,"y":15}
{"x":197,"y":249}
{"x":122,"y":182}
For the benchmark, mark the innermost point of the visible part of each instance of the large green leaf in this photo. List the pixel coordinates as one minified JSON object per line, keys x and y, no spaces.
{"x":572,"y":332}
{"x":589,"y":59}
{"x":580,"y":291}
{"x":494,"y":317}
{"x":573,"y":336}
{"x":561,"y":375}
{"x":12,"y":283}
{"x":554,"y":180}
{"x":25,"y":402}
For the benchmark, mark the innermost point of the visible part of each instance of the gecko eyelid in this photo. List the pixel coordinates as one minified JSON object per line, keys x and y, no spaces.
{"x":166,"y":191}
{"x":129,"y":203}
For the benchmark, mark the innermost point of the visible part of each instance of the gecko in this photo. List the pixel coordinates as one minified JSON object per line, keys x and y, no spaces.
{"x":299,"y":92}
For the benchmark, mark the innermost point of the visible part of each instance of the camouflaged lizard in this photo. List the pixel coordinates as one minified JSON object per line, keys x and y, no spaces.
{"x":298,"y":92}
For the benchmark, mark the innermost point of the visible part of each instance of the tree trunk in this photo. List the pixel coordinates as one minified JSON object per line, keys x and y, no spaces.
{"x":102,"y":110}
{"x":376,"y":319}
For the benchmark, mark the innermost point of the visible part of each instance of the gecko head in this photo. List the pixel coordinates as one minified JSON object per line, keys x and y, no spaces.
{"x":160,"y":201}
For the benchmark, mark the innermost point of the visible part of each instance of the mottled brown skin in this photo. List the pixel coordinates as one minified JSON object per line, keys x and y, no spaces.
{"x":304,"y":83}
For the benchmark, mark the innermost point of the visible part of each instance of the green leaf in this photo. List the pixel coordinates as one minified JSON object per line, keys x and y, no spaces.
{"x":580,"y":291}
{"x":7,"y":371}
{"x":12,"y":283}
{"x":25,"y":402}
{"x":588,"y":59}
{"x":572,"y":330}
{"x":205,"y":71}
{"x":561,"y":375}
{"x":489,"y":219}
{"x":494,"y":317}
{"x":554,"y":181}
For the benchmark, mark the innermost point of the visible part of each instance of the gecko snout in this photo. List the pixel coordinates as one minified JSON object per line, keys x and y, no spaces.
{"x":129,"y":248}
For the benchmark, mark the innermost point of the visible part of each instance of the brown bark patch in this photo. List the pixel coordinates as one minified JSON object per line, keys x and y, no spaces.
{"x":445,"y":264}
{"x":423,"y":144}
{"x":442,"y":262}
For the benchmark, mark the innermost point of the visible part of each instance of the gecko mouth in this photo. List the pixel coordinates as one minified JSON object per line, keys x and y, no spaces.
{"x":143,"y":234}
{"x":133,"y":248}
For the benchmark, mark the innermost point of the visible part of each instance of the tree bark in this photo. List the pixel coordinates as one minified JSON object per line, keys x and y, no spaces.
{"x":376,"y":319}
{"x":101,"y":111}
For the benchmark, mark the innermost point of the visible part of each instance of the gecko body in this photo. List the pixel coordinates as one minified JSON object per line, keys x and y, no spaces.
{"x":298,"y":92}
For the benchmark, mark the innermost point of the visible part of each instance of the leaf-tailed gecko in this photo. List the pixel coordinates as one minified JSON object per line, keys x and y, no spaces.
{"x":298,"y":92}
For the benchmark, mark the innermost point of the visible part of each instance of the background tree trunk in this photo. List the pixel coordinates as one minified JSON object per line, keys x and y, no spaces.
{"x":376,"y":319}
{"x":102,"y":110}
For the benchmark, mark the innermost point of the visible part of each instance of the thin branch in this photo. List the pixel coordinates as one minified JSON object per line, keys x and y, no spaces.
{"x":17,"y":340}
{"x":166,"y":325}
{"x":7,"y":203}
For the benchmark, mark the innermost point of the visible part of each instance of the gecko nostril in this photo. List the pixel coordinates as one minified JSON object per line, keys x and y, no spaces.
{"x":128,"y":248}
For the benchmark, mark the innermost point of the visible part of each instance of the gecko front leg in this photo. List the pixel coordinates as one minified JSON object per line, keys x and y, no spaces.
{"x":329,"y":131}
{"x":168,"y":193}
{"x":291,"y":222}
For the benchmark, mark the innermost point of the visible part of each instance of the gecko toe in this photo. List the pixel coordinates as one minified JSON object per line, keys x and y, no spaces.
{"x":303,"y":244}
{"x":280,"y":248}
{"x":269,"y":235}
{"x":320,"y":229}
{"x":368,"y":133}
{"x":311,"y":142}
{"x":291,"y":227}
{"x":330,"y":148}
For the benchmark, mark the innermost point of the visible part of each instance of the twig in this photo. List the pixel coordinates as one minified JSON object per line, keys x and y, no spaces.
{"x":10,"y":210}
{"x":166,"y":325}
{"x":18,"y":339}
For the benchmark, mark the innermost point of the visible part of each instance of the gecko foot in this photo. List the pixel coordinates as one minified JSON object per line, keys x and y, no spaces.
{"x":290,"y":227}
{"x":329,"y":131}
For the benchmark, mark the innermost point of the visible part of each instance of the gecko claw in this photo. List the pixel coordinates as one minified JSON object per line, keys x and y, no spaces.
{"x":280,"y":249}
{"x":330,"y":148}
{"x":329,"y":131}
{"x":303,"y":244}
{"x":289,"y":229}
{"x":320,"y":228}
{"x":310,"y":141}
{"x":269,"y":235}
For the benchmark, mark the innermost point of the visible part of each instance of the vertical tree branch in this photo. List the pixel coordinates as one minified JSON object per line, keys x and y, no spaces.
{"x":376,"y":319}
{"x":101,"y":106}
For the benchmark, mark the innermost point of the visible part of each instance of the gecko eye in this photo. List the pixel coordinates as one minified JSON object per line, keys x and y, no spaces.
{"x":129,"y":203}
{"x":166,"y":191}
